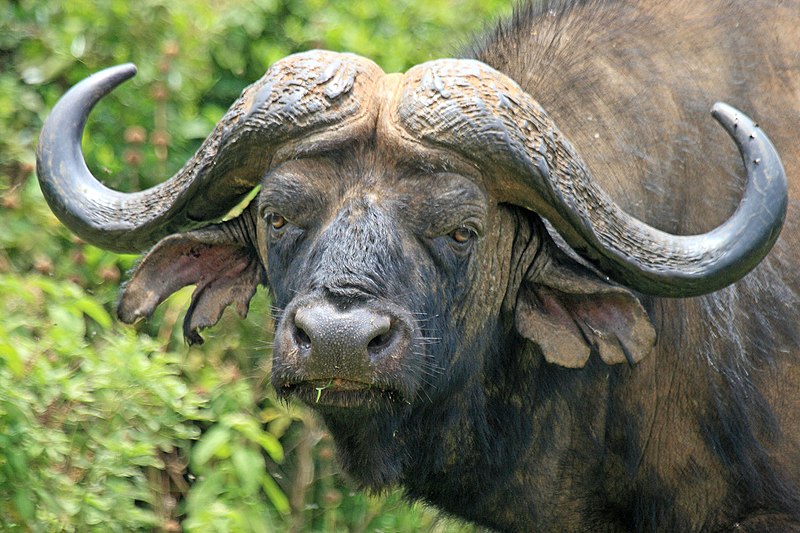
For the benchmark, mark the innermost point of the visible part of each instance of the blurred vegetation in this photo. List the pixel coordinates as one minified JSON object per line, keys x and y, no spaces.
{"x":109,"y":428}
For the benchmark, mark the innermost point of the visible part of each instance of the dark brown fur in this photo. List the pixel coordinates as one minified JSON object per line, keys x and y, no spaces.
{"x":631,"y":84}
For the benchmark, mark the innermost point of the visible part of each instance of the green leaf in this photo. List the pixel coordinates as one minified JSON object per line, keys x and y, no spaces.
{"x":249,"y":467}
{"x":276,"y":495}
{"x":25,"y":504}
{"x":210,"y":444}
{"x":251,"y":429}
{"x":18,"y":462}
{"x":14,"y":413}
{"x":13,"y":359}
{"x":95,"y":311}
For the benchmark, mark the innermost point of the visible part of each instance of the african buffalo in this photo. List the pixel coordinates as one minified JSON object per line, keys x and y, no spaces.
{"x":464,"y":260}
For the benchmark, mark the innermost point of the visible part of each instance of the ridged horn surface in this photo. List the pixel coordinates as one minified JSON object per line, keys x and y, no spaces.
{"x":467,"y":107}
{"x":322,"y":94}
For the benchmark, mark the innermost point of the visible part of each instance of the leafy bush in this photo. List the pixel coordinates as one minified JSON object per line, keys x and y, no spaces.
{"x":104,"y":427}
{"x":86,"y":420}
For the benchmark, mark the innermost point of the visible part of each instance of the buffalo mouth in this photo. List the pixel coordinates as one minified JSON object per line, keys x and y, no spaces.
{"x":345,"y":357}
{"x":340,"y":393}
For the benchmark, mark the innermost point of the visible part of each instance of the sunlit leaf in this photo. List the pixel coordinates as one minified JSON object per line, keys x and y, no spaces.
{"x":95,"y":311}
{"x":211,"y":444}
{"x":249,"y":466}
{"x":12,"y":359}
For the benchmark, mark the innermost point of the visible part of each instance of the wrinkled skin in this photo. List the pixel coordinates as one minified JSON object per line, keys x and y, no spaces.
{"x":455,"y":345}
{"x":376,"y":242}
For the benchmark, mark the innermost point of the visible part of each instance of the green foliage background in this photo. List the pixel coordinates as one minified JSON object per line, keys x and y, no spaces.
{"x":109,"y":428}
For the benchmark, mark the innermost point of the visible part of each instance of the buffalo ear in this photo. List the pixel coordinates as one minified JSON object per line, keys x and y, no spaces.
{"x":567,"y":309}
{"x":225,"y":270}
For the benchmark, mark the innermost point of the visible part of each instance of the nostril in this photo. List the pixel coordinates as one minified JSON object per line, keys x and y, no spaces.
{"x":380,"y":341}
{"x":302,"y":339}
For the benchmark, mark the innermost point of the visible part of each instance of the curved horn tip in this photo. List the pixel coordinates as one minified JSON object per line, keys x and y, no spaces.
{"x":734,"y":121}
{"x":127,"y":69}
{"x":109,"y":78}
{"x":103,"y":81}
{"x":754,"y":145}
{"x":60,"y":166}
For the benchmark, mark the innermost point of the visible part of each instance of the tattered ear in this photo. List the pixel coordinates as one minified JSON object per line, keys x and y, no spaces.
{"x":567,"y":309}
{"x":225,"y":270}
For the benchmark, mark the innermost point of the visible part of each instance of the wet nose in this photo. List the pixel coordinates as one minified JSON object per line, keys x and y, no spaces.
{"x":335,"y":341}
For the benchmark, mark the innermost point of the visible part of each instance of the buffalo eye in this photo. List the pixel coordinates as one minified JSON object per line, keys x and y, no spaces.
{"x":276,"y":221}
{"x":462,"y":235}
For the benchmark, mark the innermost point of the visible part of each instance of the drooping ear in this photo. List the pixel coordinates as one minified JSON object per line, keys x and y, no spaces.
{"x":218,"y":259}
{"x":567,"y":309}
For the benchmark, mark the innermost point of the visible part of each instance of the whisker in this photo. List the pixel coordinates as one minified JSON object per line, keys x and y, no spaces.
{"x":265,"y":345}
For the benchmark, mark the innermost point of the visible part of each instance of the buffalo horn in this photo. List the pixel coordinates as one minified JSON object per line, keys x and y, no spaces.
{"x":301,"y":95}
{"x":468,"y":107}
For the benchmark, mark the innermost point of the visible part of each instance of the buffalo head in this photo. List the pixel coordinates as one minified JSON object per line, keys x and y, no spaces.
{"x":404,"y":222}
